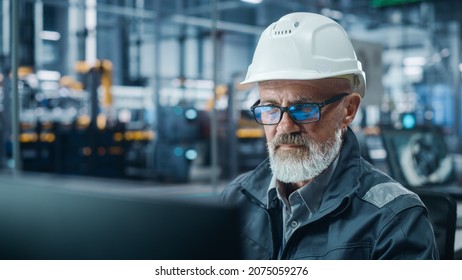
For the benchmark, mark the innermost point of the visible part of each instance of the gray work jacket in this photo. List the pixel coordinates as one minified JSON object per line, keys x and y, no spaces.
{"x":364,"y":214}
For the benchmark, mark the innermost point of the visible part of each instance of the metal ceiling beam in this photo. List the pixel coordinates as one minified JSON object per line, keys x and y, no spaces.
{"x":146,"y":14}
{"x":220,"y":25}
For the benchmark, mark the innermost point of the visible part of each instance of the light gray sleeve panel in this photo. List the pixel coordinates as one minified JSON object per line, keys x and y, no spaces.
{"x":383,"y":193}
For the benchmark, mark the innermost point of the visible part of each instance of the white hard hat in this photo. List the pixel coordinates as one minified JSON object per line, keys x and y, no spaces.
{"x":305,"y":46}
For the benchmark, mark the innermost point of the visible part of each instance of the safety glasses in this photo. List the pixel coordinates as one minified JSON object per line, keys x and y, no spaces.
{"x":302,"y":113}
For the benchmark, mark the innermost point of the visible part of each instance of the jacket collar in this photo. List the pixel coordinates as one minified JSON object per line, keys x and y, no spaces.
{"x":345,"y":180}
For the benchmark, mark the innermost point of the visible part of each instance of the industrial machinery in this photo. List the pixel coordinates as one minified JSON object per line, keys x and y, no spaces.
{"x":242,"y":142}
{"x":91,"y":127}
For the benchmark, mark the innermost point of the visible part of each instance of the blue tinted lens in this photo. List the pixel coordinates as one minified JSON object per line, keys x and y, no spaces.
{"x":304,"y":113}
{"x":267,"y":114}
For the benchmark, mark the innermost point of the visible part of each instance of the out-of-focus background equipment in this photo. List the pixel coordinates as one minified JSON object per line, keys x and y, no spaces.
{"x":419,"y":158}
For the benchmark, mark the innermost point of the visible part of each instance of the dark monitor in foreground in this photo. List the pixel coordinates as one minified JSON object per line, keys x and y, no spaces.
{"x":52,"y":223}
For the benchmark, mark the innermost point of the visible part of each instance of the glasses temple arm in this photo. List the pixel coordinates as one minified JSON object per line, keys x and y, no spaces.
{"x":333,"y":99}
{"x":255,"y":104}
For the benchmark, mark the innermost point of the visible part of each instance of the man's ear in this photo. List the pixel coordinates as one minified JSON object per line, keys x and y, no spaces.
{"x":351,"y":108}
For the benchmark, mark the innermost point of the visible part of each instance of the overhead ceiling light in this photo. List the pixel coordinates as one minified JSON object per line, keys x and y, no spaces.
{"x":48,"y":75}
{"x":415,"y":61}
{"x":413,"y":70}
{"x":50,"y":35}
{"x":252,"y":1}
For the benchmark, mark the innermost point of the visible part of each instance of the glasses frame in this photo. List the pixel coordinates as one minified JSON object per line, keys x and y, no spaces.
{"x":287,"y":109}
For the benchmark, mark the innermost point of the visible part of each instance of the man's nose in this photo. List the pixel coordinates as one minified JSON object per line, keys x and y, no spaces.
{"x":287,"y":124}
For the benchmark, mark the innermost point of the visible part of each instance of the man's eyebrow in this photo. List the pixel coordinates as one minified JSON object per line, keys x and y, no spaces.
{"x":268,"y":101}
{"x":303,"y":99}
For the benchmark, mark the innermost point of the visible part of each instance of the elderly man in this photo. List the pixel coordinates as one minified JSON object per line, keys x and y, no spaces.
{"x":315,"y":197}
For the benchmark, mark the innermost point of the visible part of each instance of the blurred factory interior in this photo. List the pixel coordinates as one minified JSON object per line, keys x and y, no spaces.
{"x":143,"y":97}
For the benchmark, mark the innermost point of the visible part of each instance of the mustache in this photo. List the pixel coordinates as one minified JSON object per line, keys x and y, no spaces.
{"x":289,"y":139}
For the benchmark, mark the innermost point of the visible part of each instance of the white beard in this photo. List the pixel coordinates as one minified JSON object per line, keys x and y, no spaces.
{"x":304,"y":163}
